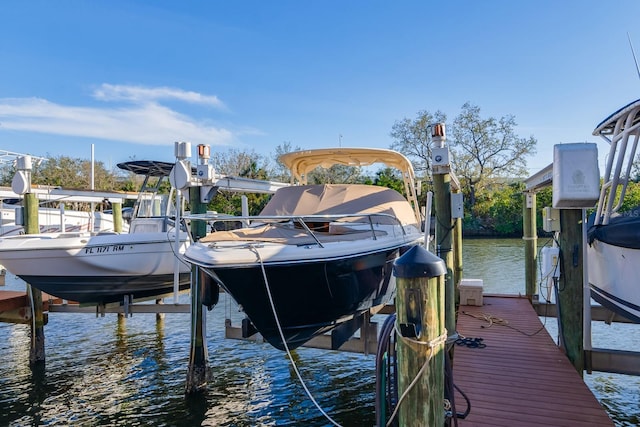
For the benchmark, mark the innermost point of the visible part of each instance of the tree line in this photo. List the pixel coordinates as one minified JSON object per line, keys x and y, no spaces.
{"x":487,"y":156}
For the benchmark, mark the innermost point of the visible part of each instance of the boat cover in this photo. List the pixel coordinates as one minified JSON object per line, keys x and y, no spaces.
{"x":339,"y":199}
{"x":276,"y":233}
{"x":623,"y":231}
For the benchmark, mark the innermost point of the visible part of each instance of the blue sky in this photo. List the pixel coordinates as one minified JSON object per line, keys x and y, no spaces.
{"x":132,"y":77}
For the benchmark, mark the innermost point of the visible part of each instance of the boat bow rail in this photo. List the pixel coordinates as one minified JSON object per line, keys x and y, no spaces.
{"x":622,"y":131}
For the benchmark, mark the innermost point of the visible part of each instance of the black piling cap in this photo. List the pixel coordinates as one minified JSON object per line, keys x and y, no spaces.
{"x":419,"y":262}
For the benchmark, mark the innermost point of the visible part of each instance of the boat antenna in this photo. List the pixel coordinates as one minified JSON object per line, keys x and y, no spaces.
{"x":634,"y":54}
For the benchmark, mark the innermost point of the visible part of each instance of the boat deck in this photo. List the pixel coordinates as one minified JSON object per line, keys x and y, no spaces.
{"x":521,"y":377}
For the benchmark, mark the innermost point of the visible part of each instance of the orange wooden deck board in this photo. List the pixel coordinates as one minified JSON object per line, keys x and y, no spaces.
{"x":521,"y":378}
{"x":12,"y":300}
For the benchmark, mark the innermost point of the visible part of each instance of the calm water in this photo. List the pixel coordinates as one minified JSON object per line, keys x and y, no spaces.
{"x":105,"y":371}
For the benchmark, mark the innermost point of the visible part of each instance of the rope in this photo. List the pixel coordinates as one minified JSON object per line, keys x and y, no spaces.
{"x":432,"y":345}
{"x":489,"y":318}
{"x":494,"y":320}
{"x":284,"y":341}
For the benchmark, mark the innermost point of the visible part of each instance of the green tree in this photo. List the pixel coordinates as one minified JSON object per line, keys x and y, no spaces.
{"x":245,"y":164}
{"x":235,"y":162}
{"x":66,"y":172}
{"x":413,"y":139}
{"x":390,"y":178}
{"x":280,"y":172}
{"x":505,"y":213}
{"x":486,"y":148}
{"x":336,"y":174}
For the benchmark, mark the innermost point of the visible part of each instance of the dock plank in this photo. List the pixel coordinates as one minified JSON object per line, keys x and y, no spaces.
{"x":521,"y":377}
{"x":10,"y":300}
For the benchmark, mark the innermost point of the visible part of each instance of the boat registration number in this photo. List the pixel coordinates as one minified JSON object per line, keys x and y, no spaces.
{"x":104,"y":249}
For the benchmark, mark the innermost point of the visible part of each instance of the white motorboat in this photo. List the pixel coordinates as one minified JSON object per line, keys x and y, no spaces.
{"x":317,"y":256}
{"x":614,"y":237}
{"x":104,"y":267}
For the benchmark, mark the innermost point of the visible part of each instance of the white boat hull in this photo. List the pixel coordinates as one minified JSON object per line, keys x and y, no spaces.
{"x":93,"y":268}
{"x":614,"y":279}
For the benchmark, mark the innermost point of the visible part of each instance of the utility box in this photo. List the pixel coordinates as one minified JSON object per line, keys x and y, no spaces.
{"x":471,"y":292}
{"x":576,"y":176}
{"x":457,"y":205}
{"x":550,"y":219}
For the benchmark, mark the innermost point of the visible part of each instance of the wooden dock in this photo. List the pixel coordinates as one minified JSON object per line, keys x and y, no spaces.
{"x":521,"y":377}
{"x":15,"y":307}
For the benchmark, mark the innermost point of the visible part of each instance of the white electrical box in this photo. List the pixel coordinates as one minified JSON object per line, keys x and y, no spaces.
{"x":576,"y":176}
{"x":550,"y":271}
{"x":440,"y":156}
{"x":205,"y":172}
{"x":550,"y":258}
{"x":550,"y":219}
{"x":457,"y":207}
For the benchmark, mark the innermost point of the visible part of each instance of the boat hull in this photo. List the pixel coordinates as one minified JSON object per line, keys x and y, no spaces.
{"x":311,"y":297}
{"x":106,"y":289}
{"x":95,"y":268}
{"x":613,"y":278}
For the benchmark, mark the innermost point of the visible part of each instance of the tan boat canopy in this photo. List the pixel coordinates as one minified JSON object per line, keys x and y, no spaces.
{"x":300,"y":163}
{"x":339,"y":199}
{"x":327,"y":199}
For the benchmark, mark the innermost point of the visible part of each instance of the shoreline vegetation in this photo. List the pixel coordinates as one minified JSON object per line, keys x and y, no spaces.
{"x":496,"y":211}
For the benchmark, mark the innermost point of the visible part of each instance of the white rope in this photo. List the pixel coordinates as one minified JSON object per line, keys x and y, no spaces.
{"x":284,"y":342}
{"x":432,"y":345}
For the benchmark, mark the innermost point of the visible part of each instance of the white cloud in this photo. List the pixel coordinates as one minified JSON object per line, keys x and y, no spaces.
{"x":140,"y":94}
{"x":145,"y":122}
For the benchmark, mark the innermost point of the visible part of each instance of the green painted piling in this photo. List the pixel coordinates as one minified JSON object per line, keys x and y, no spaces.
{"x":570,"y":294}
{"x":116,"y":208}
{"x":31,"y":226}
{"x":457,"y":256}
{"x":444,"y":242}
{"x":421,"y":337}
{"x":529,"y":235}
{"x":198,"y":357}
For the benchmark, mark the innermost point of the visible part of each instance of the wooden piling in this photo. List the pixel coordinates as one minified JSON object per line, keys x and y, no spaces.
{"x":31,"y":226}
{"x":116,"y":209}
{"x":529,"y":235}
{"x":457,"y":256}
{"x":198,"y":357}
{"x":444,"y":243}
{"x":421,"y":337}
{"x":570,"y":287}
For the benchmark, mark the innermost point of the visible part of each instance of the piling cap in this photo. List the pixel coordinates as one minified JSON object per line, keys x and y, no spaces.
{"x":419,"y":262}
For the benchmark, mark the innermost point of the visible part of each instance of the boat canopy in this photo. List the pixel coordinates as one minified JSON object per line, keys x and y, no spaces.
{"x":339,"y":199}
{"x":147,"y":167}
{"x":300,"y":163}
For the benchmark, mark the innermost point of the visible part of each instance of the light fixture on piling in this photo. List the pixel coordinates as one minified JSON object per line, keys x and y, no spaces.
{"x":438,"y":134}
{"x":205,"y":170}
{"x":440,"y":151}
{"x":21,"y":183}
